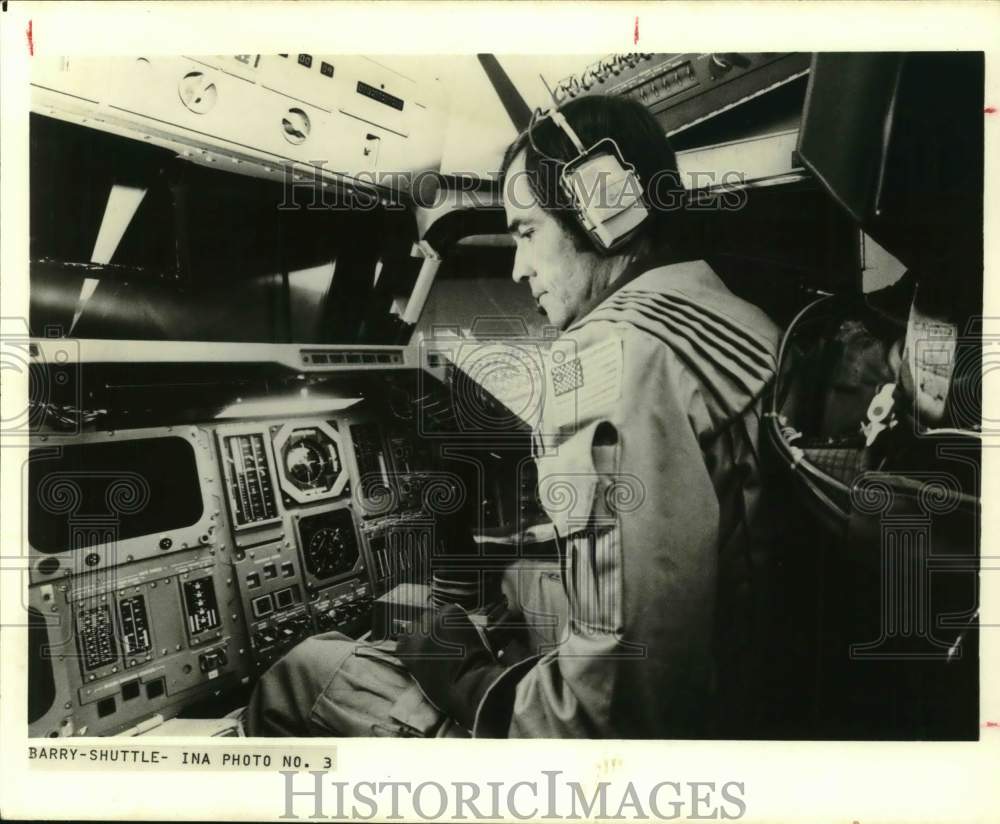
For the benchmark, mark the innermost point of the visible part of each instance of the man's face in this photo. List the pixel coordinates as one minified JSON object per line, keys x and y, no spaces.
{"x":562,"y":277}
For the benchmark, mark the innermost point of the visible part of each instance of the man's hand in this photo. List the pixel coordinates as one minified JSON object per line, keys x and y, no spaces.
{"x":453,"y":663}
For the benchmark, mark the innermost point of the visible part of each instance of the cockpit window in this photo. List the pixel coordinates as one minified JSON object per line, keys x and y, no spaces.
{"x":186,"y":251}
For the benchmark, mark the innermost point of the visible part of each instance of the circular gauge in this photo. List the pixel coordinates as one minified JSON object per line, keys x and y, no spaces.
{"x":311,"y":465}
{"x":330,"y":551}
{"x":198,"y":93}
{"x":307,"y":463}
{"x":312,"y":462}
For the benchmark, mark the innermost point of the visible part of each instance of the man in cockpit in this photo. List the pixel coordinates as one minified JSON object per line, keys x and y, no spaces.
{"x":649,"y":625}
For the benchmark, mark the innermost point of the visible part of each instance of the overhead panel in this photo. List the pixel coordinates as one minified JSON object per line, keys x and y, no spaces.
{"x":732,"y":117}
{"x":335,"y":116}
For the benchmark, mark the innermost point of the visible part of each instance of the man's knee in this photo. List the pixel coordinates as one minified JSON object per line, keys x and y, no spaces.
{"x":313,"y":663}
{"x":283,"y":699}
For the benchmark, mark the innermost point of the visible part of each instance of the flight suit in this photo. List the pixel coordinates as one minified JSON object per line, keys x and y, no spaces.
{"x":648,"y":468}
{"x":652,"y":480}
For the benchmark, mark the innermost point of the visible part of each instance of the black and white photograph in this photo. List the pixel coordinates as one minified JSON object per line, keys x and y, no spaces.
{"x":624,"y":396}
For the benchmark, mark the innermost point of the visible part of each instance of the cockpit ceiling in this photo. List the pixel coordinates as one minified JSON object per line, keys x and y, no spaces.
{"x":233,"y":199}
{"x":390,"y":125}
{"x":344,"y":115}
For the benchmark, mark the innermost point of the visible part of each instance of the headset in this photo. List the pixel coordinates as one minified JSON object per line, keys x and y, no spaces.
{"x":604,"y":190}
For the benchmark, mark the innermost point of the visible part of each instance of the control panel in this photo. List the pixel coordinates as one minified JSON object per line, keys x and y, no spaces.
{"x":277,"y":616}
{"x":136,"y":610}
{"x":400,"y":547}
{"x":173,"y":566}
{"x":396,"y":527}
{"x":333,"y":115}
{"x":298,"y":561}
{"x":131,"y":648}
{"x":169,"y":565}
{"x":683,"y":89}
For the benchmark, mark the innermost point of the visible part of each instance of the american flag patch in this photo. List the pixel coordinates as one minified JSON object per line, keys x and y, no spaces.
{"x":567,"y":377}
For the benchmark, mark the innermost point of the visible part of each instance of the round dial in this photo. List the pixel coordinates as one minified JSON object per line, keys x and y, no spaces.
{"x":197,"y":92}
{"x":295,"y":126}
{"x":330,"y":551}
{"x":307,"y":462}
{"x":311,"y":464}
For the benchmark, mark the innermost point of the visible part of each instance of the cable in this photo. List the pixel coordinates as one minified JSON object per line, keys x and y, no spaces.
{"x":556,"y":117}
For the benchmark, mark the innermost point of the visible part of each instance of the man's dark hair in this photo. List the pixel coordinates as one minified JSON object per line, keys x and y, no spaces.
{"x":641,"y":140}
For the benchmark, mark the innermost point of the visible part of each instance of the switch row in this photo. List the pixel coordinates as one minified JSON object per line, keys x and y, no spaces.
{"x":270,"y":571}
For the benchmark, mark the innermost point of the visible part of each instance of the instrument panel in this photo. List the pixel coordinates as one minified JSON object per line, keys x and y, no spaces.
{"x":169,"y":566}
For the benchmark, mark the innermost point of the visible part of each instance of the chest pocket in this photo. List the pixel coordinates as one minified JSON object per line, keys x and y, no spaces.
{"x":578,"y":479}
{"x":579,"y":486}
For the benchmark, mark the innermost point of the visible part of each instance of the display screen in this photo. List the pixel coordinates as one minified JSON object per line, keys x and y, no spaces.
{"x":118,"y":490}
{"x":311,"y":460}
{"x":311,"y":463}
{"x":201,"y":605}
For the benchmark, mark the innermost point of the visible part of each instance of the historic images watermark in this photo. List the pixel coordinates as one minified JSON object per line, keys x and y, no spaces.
{"x":547,"y":797}
{"x":312,"y":186}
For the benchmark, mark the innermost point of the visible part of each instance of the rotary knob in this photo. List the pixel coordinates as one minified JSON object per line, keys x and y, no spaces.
{"x":295,"y":126}
{"x":723,"y":62}
{"x":198,"y":92}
